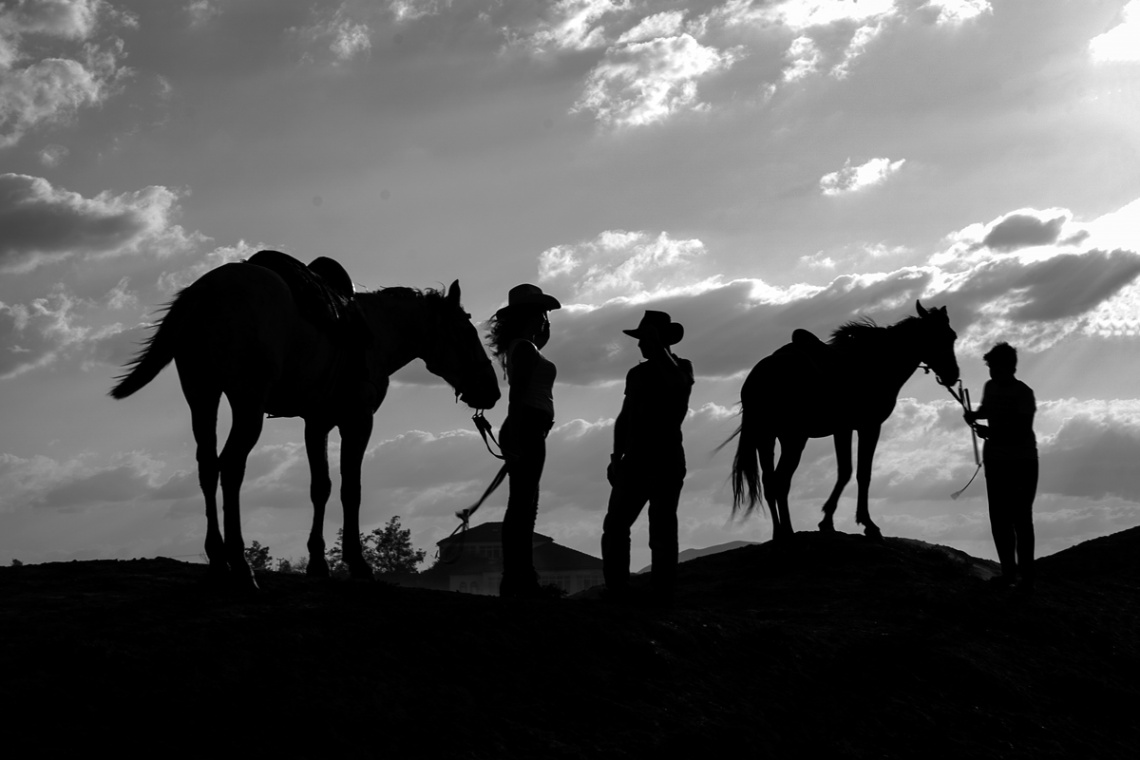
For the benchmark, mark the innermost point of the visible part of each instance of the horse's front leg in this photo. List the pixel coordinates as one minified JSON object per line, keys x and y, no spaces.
{"x":843,"y":477}
{"x":354,"y":437}
{"x":320,"y":486}
{"x":868,"y":440}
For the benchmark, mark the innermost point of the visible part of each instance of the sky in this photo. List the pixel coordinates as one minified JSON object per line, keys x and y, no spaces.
{"x":748,"y":167}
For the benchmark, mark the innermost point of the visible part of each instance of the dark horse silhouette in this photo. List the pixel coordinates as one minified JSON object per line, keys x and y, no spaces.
{"x":810,"y":389}
{"x":238,"y":331}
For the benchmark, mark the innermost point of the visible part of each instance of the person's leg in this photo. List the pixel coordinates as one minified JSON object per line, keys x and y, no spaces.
{"x":1023,"y":520}
{"x":626,"y":502}
{"x":528,"y":446}
{"x":1001,"y":525}
{"x":663,"y":531}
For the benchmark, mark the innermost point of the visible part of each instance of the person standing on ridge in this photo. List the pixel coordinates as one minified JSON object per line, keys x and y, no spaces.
{"x":1010,"y":457}
{"x":518,"y":331}
{"x":648,"y":462}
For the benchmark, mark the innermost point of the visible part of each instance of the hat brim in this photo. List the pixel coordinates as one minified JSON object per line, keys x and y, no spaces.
{"x":544,"y":302}
{"x":672,"y":334}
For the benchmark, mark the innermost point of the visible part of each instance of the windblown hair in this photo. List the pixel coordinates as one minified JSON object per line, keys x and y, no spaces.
{"x":504,"y":326}
{"x":1002,"y":357}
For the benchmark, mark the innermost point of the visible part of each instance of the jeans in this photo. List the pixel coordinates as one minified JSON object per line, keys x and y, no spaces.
{"x":659,"y":483}
{"x":1011,"y":485}
{"x":523,"y":438}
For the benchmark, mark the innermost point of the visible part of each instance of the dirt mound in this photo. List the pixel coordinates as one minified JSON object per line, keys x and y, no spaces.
{"x":828,"y":645}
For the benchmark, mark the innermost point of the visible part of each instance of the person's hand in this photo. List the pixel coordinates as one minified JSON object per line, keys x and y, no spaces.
{"x":613,"y":471}
{"x":982,"y":431}
{"x":970,"y":417}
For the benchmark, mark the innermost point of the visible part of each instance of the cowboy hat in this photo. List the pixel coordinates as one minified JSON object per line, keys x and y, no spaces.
{"x":670,"y":332}
{"x":530,"y":295}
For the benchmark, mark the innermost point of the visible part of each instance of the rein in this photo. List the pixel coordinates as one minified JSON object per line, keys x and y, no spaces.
{"x":962,"y":396}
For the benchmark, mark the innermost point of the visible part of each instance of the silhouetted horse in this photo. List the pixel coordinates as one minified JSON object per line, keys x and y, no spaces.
{"x":237,"y":330}
{"x":810,"y":389}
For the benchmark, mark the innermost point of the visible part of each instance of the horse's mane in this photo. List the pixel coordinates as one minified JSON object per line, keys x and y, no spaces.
{"x":863,"y":328}
{"x":430,"y":296}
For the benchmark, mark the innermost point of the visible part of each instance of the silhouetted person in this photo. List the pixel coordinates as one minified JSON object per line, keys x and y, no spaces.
{"x":1010,"y":457}
{"x":648,"y":463}
{"x":518,"y":332}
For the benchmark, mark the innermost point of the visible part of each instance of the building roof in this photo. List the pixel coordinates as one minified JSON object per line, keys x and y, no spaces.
{"x":487,"y":533}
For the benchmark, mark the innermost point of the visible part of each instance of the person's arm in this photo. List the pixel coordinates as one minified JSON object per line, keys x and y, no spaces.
{"x":621,"y":436}
{"x":983,"y":411}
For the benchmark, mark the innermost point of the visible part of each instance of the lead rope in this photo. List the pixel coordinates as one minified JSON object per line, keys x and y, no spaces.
{"x":464,"y":515}
{"x":963,"y":398}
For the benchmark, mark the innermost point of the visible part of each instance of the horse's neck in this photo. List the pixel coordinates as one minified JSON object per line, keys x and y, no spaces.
{"x":901,"y":356}
{"x":395,"y":320}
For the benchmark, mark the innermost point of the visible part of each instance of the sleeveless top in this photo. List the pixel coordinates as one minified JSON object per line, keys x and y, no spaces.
{"x":539,"y":392}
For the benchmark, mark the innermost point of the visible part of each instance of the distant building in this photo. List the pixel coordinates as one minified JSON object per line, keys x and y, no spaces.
{"x":472,"y":562}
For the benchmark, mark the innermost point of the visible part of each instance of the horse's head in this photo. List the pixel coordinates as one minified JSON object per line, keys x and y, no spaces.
{"x":452,"y":350}
{"x":937,"y":348}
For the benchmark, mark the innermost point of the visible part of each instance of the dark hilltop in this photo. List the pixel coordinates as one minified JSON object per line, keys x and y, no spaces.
{"x":827,"y":646}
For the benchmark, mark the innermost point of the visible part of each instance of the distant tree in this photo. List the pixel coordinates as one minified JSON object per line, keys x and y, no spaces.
{"x":391,"y":549}
{"x":258,"y":556}
{"x":293,"y":565}
{"x":386,"y":550}
{"x":17,"y":563}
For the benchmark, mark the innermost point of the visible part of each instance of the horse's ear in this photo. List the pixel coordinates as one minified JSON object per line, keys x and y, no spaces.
{"x":921,"y":311}
{"x":453,"y":293}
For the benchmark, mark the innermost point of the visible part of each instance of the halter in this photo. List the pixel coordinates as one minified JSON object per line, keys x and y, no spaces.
{"x":962,"y":397}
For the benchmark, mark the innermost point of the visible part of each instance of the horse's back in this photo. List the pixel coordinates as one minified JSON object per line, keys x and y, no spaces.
{"x":239,"y":324}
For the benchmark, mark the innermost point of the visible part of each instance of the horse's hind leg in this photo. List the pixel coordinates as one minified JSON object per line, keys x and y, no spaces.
{"x":248,"y":416}
{"x":868,"y":440}
{"x":204,"y":421}
{"x":843,"y":477}
{"x":791,"y":449}
{"x":320,"y":486}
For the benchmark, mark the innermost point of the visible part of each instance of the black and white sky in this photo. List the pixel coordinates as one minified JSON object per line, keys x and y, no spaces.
{"x":748,"y":166}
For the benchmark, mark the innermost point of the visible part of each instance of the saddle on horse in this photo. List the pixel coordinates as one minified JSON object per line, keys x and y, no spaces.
{"x":325,"y":298}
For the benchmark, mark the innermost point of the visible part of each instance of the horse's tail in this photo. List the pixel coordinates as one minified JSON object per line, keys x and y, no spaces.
{"x":746,"y":464}
{"x":157,"y":351}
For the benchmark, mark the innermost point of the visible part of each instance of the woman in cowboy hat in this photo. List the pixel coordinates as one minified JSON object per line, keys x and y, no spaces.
{"x":518,"y":331}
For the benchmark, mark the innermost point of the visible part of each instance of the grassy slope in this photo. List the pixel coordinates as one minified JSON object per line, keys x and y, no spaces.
{"x":835,"y":645}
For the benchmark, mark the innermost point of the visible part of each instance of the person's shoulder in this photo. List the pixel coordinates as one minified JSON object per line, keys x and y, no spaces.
{"x":686,"y":367}
{"x":522,"y":346}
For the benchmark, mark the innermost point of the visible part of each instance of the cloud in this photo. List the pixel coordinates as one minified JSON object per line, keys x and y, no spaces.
{"x":54,"y":89}
{"x":959,"y":11}
{"x":53,"y":155}
{"x":804,"y":58}
{"x":1120,"y":44}
{"x":620,"y":264}
{"x":645,"y":81}
{"x":407,"y":11}
{"x":571,"y":25}
{"x":44,"y":223}
{"x":1033,"y":298}
{"x":1022,"y":229}
{"x":338,"y":38}
{"x":201,"y":12}
{"x":851,"y":179}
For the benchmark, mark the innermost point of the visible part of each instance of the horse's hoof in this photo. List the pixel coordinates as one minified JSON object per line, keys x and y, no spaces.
{"x":873,"y":534}
{"x":827,"y":526}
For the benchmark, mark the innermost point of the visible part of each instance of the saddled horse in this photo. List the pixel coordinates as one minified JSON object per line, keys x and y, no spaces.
{"x":810,"y":389}
{"x":239,"y":331}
